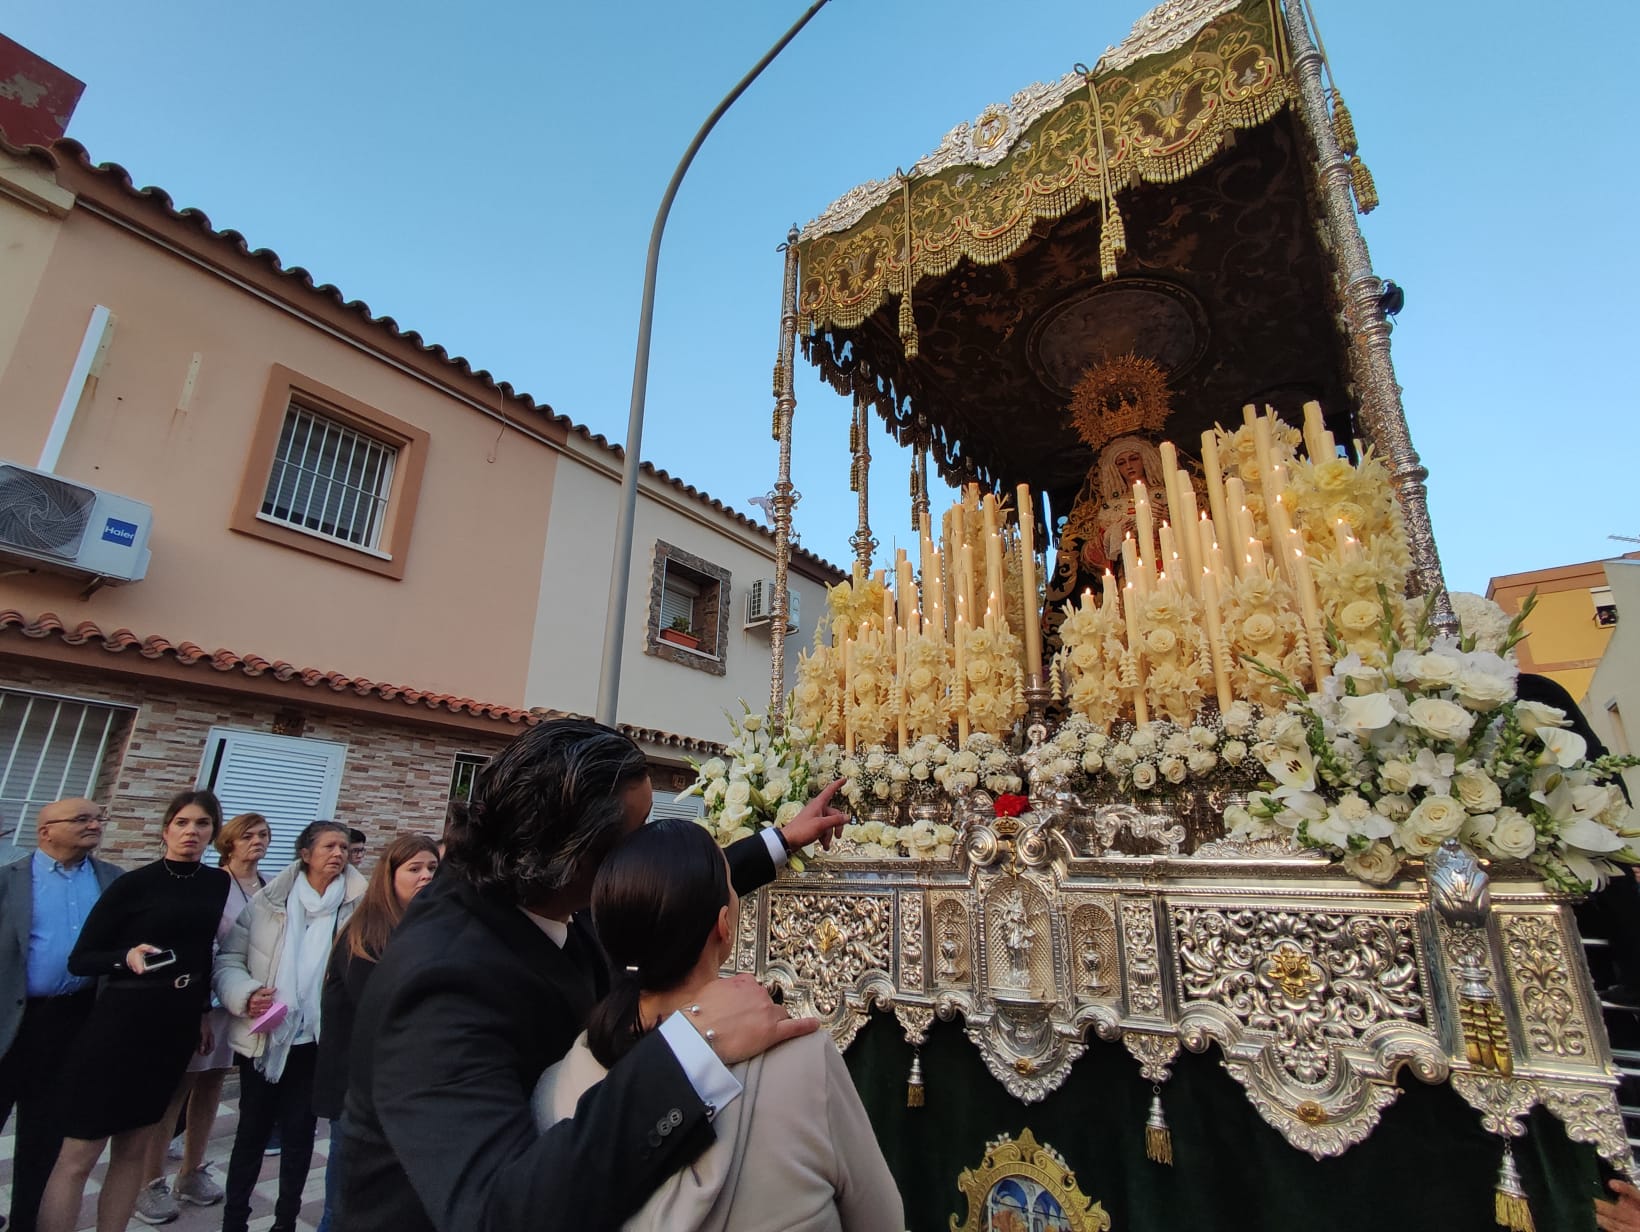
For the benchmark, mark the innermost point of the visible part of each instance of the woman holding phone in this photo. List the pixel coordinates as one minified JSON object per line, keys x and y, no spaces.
{"x":149,"y":937}
{"x":269,"y":975}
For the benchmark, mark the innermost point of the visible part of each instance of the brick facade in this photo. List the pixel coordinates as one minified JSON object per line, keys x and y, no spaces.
{"x":396,"y":775}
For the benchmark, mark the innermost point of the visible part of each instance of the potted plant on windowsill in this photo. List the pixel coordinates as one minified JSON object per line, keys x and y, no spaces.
{"x":679,"y":634}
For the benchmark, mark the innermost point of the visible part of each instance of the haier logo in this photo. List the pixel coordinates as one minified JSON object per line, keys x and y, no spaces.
{"x":122,"y":533}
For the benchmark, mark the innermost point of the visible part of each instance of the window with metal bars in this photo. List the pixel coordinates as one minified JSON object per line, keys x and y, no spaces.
{"x":51,"y":748}
{"x":329,"y":479}
{"x":462,"y":775}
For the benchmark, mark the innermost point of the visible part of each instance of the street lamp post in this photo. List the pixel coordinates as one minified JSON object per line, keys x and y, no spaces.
{"x":609,"y":675}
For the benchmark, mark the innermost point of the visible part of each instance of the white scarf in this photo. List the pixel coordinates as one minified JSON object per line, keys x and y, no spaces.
{"x":310,"y":928}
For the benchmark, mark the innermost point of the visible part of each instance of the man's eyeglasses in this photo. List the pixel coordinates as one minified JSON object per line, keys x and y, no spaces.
{"x":83,"y":819}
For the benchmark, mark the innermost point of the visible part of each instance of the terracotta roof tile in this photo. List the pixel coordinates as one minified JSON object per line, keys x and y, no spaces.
{"x":116,"y":641}
{"x":66,"y":149}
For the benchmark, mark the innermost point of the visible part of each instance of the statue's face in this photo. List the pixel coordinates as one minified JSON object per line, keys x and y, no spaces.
{"x":1130,"y":465}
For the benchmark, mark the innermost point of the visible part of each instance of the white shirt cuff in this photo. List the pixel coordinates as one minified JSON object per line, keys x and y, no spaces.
{"x":777,"y":849}
{"x":712,"y":1081}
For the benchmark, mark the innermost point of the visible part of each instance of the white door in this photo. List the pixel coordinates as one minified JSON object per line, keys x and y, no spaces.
{"x":290,"y":781}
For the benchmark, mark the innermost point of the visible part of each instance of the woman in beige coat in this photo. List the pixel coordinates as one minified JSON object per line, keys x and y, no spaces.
{"x":274,"y":956}
{"x":795,"y":1151}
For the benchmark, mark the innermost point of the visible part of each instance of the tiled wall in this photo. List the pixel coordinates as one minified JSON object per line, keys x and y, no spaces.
{"x":396,"y":776}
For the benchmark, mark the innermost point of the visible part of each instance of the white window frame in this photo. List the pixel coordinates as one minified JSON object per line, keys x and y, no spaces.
{"x":667,"y":804}
{"x":471,"y":764}
{"x":350,"y":439}
{"x":109,"y":735}
{"x":286,"y":822}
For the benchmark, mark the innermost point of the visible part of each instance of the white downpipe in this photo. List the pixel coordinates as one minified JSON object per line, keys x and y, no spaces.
{"x":96,"y":337}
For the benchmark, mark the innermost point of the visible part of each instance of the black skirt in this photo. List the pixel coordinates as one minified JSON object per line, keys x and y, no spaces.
{"x":129,"y":1060}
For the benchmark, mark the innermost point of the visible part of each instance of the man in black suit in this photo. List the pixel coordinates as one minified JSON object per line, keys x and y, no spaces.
{"x":488,"y":981}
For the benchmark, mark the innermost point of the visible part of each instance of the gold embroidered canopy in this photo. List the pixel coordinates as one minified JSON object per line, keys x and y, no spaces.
{"x":966,"y":298}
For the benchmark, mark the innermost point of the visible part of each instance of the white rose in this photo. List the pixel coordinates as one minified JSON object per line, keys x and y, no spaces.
{"x":1439,"y":718}
{"x":1234,"y":752}
{"x":1513,"y":836}
{"x":1365,"y":714}
{"x":1144,"y":776}
{"x":713,"y":795}
{"x":786,"y":812}
{"x":1436,"y":818}
{"x":880,"y":789}
{"x":1092,"y":763}
{"x":1289,"y":732}
{"x":1477,"y":791}
{"x":1483,"y":691}
{"x":752,"y":722}
{"x":739,"y":794}
{"x":714,"y":769}
{"x":1174,"y":769}
{"x":1377,"y":865}
{"x":1535,"y":715}
{"x":775,"y":787}
{"x":1435,"y":671}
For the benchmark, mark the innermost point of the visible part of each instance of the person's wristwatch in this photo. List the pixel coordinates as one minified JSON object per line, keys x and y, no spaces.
{"x":784,"y":842}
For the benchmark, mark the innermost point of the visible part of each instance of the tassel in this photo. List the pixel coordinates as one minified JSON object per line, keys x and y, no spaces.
{"x":1366,"y":191}
{"x":1344,"y":126}
{"x":1158,"y":1137}
{"x":1510,"y":1207}
{"x":914,"y":1082}
{"x":908,"y":326}
{"x":1112,"y":242}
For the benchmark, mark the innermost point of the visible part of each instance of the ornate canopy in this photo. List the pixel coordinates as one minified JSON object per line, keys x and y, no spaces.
{"x":1226,"y":284}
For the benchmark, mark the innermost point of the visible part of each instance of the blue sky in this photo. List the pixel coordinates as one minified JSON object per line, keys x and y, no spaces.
{"x":487,"y":175}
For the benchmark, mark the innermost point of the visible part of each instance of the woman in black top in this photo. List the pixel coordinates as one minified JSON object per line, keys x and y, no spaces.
{"x":404,"y":870}
{"x":149,"y":1018}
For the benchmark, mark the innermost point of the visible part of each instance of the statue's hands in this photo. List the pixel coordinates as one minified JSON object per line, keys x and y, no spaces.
{"x":818,"y":820}
{"x":737,"y":1018}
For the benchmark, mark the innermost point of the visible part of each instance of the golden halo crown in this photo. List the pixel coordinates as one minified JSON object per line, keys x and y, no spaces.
{"x":1120,"y":397}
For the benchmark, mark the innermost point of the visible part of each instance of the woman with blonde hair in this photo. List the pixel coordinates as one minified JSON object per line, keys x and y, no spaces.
{"x":404,"y":870}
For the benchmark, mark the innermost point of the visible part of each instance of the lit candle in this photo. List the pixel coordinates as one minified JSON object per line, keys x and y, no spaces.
{"x":902,"y":582}
{"x":1111,"y":594}
{"x":1132,"y":570}
{"x":1170,"y":551}
{"x":993,"y":546}
{"x":848,"y":695}
{"x":1317,"y":439}
{"x":1320,"y":662}
{"x":1185,"y":518}
{"x":888,"y":604}
{"x":1216,"y":502}
{"x":959,"y":688}
{"x":1255,"y":557}
{"x":1216,"y":647}
{"x":1143,"y":526}
{"x":1239,"y":526}
{"x":1349,"y":548}
{"x":1141,"y":711}
{"x":967,"y":584}
{"x":899,"y":692}
{"x":1027,"y":584}
{"x":1264,"y":442}
{"x":1281,"y":532}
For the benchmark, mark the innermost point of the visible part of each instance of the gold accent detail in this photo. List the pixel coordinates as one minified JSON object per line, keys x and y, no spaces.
{"x":1121,"y":397}
{"x":1025,"y":1066}
{"x":1291,"y":969}
{"x":1025,"y":1158}
{"x":828,"y":936}
{"x":1364,"y":186}
{"x":1485,"y":1035}
{"x":1310,"y":1112}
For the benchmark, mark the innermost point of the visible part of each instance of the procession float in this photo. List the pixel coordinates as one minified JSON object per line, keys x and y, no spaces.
{"x":1206,"y":869}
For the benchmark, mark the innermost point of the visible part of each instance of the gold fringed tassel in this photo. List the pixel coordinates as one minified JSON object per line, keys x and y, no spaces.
{"x":1158,"y":1137}
{"x":908,"y":326}
{"x":1344,"y":126}
{"x":914,"y":1082}
{"x":1510,"y":1207}
{"x":1366,"y":192}
{"x":1112,"y":241}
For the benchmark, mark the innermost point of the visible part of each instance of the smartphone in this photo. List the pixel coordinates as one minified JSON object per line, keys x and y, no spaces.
{"x":153,"y":962}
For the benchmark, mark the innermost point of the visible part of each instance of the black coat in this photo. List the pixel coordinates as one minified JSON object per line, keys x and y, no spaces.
{"x":470,"y":1004}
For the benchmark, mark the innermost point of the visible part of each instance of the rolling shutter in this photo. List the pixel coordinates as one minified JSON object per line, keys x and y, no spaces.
{"x":289,"y":781}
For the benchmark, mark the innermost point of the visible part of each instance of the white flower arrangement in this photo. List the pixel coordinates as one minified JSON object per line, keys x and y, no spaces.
{"x":1387,"y":762}
{"x":1156,"y":757}
{"x":762,"y":779}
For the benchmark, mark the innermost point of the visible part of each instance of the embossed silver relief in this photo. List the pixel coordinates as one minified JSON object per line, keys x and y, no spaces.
{"x":911,"y":940}
{"x":830,"y":941}
{"x":1141,"y":959}
{"x":1313,"y":982}
{"x":951,"y":963}
{"x":746,"y":944}
{"x":1093,"y":950}
{"x":1541,"y":975}
{"x":1154,"y":1053}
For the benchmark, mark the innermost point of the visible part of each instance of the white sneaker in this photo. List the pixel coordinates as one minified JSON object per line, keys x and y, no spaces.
{"x":174,"y":1151}
{"x":198,"y":1188}
{"x":155,"y":1205}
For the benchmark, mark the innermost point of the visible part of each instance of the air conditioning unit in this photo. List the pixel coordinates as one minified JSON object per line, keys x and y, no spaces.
{"x":760,"y":605}
{"x":47,"y":522}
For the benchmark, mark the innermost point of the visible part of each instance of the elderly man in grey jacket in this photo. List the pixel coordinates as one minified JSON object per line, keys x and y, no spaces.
{"x":44,"y":900}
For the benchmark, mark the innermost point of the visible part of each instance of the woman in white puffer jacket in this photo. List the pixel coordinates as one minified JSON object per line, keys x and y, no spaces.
{"x":276,"y":955}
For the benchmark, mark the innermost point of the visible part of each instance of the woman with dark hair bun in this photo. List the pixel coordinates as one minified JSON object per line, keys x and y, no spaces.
{"x":150,"y":938}
{"x":795,"y":1150}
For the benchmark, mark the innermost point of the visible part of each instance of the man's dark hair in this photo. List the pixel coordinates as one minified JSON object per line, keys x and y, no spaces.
{"x":542,"y":808}
{"x":354,"y":836}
